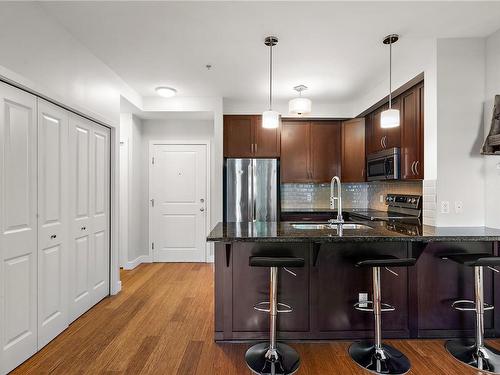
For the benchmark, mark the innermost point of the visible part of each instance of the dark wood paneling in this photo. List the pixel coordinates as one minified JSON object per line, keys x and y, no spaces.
{"x":295,"y":151}
{"x":353,"y":150}
{"x":440,"y":282}
{"x":336,"y":296}
{"x":325,"y":150}
{"x":267,"y":141}
{"x":238,"y":136}
{"x":252,"y":286}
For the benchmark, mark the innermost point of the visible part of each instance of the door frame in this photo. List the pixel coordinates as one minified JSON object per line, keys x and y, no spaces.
{"x":208,"y":212}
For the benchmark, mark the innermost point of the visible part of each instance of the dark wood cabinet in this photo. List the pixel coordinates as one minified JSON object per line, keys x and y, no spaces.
{"x":409,"y":136}
{"x":295,"y":150}
{"x":325,"y":150}
{"x":412,"y":166}
{"x":310,"y":151}
{"x":353,"y":150}
{"x":244,"y":137}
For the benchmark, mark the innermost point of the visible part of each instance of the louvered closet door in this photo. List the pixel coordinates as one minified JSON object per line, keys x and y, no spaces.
{"x":53,"y":223}
{"x":89,"y":214}
{"x":18,"y":227}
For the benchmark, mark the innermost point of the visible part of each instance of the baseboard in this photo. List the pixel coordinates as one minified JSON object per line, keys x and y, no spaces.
{"x":134,"y":263}
{"x":117,"y":289}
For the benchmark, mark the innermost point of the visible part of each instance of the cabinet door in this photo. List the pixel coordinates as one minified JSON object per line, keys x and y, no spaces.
{"x":238,"y":136}
{"x":295,"y":151}
{"x":370,"y":142}
{"x":353,"y":150}
{"x":267,"y":141}
{"x":53,"y":223}
{"x":393,"y":135}
{"x":410,"y":134}
{"x":325,"y":150}
{"x":18,"y":227}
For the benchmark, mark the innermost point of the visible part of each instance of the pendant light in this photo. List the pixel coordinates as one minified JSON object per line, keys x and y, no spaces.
{"x":270,"y":118}
{"x":300,"y":105}
{"x":390,"y":117}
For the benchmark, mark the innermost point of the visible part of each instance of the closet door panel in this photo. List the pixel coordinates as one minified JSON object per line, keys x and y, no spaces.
{"x":18,"y":227}
{"x":100,"y":212}
{"x":52,"y":221}
{"x":80,"y":254}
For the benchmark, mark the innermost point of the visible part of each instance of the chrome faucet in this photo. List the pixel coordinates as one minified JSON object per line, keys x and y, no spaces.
{"x":338,"y":198}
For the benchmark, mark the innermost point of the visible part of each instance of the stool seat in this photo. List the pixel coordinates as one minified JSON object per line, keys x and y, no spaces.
{"x":473,"y":260}
{"x":270,"y":261}
{"x":385,"y":261}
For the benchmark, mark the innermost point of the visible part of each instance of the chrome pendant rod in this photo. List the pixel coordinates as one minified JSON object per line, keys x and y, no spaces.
{"x":271,"y":77}
{"x":390,"y":74}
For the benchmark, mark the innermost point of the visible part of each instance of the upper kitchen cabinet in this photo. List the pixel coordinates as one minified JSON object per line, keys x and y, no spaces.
{"x":310,"y":151}
{"x":409,"y":136}
{"x":244,"y":137}
{"x":412,"y":133}
{"x":353,"y":150}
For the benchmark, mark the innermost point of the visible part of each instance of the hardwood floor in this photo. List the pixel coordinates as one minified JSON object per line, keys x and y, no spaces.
{"x":162,"y":323}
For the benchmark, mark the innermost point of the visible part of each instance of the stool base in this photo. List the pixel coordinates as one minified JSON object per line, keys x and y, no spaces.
{"x":465,"y":352}
{"x":364,"y":354}
{"x":288,"y":360}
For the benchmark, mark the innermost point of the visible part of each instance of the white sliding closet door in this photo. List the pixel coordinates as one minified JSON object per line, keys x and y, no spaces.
{"x":18,"y":227}
{"x":89,"y":214}
{"x":53,"y":223}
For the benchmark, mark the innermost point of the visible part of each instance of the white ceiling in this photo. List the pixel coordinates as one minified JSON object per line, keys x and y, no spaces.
{"x":333,"y":47}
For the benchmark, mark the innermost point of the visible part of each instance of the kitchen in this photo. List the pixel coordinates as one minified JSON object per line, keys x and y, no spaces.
{"x":249,"y":187}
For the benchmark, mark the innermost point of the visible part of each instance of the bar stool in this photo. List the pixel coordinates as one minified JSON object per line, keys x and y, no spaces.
{"x":378,"y":357}
{"x":475,"y":353}
{"x":273,"y":357}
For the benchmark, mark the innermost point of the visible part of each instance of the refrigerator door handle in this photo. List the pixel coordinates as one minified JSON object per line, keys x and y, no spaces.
{"x":250,"y":192}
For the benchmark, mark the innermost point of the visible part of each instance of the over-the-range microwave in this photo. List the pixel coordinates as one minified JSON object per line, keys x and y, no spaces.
{"x":383,"y":165}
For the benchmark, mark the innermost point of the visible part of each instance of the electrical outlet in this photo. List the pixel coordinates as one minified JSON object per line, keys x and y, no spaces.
{"x":445,"y":207}
{"x":381,"y":198}
{"x":459,"y":207}
{"x":363,"y":297}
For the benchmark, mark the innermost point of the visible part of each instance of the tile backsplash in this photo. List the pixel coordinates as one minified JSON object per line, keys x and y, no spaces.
{"x":354,"y":195}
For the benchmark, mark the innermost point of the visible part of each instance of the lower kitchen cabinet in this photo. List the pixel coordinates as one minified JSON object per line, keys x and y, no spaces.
{"x":54,"y":220}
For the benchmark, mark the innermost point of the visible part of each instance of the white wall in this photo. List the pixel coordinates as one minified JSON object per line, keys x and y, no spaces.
{"x":460,"y":95}
{"x":492,"y":163}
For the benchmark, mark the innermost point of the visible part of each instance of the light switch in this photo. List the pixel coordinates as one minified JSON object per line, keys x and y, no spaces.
{"x":445,"y":207}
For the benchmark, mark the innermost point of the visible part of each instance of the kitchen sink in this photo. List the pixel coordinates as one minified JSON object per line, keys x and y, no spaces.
{"x":327,"y":226}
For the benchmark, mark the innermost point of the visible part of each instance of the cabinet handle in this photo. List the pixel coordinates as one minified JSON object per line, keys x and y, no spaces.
{"x":385,"y":141}
{"x":416,"y":166}
{"x":255,"y":147}
{"x":413,"y":167}
{"x":382,"y":142}
{"x":251,"y":147}
{"x":53,"y":236}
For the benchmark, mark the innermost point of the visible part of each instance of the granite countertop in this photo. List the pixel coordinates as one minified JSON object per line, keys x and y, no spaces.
{"x":379,"y":231}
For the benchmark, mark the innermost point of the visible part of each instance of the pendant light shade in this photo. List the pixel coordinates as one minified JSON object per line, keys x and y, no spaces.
{"x":270,"y":118}
{"x":390,"y":117}
{"x":300,"y":105}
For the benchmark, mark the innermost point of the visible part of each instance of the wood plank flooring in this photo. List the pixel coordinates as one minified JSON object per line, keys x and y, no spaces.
{"x":162,"y":323}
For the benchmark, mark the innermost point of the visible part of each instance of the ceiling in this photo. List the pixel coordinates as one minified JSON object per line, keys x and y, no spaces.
{"x":333,"y":47}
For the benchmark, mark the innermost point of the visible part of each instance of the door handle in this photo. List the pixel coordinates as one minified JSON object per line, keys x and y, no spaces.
{"x":202,"y":209}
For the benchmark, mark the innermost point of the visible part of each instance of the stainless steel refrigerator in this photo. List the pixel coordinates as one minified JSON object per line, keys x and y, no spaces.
{"x":251,"y":190}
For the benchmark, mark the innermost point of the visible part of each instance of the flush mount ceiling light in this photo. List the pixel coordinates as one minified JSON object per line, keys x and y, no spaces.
{"x":270,"y":118}
{"x":166,"y":92}
{"x":300,"y":106}
{"x":390,"y":117}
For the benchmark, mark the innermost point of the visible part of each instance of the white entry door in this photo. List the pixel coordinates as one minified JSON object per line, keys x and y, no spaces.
{"x":178,"y":179}
{"x":18,"y":227}
{"x":53,"y":223}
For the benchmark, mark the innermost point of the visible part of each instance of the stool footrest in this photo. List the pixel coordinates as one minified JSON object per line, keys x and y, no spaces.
{"x":265,"y":307}
{"x":462,"y":305}
{"x":369,"y":306}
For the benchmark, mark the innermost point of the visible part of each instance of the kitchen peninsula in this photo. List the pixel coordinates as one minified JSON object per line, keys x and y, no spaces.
{"x":326,"y":288}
